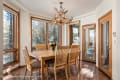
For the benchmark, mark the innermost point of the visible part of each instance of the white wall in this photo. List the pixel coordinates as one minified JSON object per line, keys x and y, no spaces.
{"x":1,"y":38}
{"x":25,"y":34}
{"x":88,"y":18}
{"x":116,"y":55}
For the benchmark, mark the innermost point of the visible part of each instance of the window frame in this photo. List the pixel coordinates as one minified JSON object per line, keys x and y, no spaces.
{"x":16,"y":36}
{"x":47,"y":22}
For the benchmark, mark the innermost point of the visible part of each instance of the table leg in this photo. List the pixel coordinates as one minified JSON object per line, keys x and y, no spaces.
{"x":42,"y":69}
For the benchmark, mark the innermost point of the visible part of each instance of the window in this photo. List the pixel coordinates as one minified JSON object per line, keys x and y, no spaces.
{"x":10,"y":36}
{"x":43,"y":32}
{"x":52,"y":33}
{"x":8,"y":30}
{"x":38,"y":32}
{"x":74,"y":32}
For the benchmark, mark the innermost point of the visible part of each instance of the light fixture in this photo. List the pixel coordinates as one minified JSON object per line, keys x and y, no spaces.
{"x":60,"y":17}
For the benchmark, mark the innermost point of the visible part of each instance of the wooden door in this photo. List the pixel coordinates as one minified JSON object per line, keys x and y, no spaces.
{"x":105,"y":43}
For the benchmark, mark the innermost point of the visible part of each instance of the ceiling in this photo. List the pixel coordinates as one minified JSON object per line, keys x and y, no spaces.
{"x":74,"y":7}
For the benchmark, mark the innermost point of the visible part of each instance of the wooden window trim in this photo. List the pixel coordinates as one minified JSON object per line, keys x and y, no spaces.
{"x":16,"y":29}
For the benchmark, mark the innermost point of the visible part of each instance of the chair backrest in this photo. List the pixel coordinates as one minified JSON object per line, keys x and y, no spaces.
{"x":60,"y":56}
{"x":74,"y":53}
{"x":66,"y":49}
{"x":40,"y":46}
{"x":27,"y":59}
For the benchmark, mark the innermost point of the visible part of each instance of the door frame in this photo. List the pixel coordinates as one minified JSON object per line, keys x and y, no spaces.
{"x":83,"y":42}
{"x":107,"y":16}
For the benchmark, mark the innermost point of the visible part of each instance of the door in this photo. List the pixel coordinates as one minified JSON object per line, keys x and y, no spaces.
{"x":89,"y":42}
{"x":105,"y":43}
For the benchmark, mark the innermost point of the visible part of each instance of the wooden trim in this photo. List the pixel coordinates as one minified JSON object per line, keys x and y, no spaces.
{"x":59,"y":34}
{"x":10,"y":64}
{"x":83,"y":42}
{"x":41,"y":18}
{"x":31,"y":32}
{"x":10,"y":50}
{"x":47,"y":35}
{"x":5,"y":5}
{"x":5,"y":74}
{"x":107,"y":16}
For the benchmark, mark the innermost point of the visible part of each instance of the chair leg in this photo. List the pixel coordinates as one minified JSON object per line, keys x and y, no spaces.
{"x":69,"y":70}
{"x":55,"y":74}
{"x":66,"y":73}
{"x":31,"y":75}
{"x":47,"y":72}
{"x":25,"y":72}
{"x":39,"y":74}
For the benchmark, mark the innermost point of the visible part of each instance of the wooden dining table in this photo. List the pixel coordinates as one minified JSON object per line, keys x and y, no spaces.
{"x":43,"y":55}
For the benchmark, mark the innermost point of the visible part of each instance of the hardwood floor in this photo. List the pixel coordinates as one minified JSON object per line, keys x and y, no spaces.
{"x":88,"y":72}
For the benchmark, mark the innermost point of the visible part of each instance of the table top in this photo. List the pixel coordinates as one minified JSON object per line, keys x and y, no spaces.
{"x":42,"y":53}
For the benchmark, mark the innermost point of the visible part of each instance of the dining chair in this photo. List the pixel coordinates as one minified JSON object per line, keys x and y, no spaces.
{"x":73,"y":56}
{"x":32,"y":65}
{"x":40,"y":46}
{"x":60,"y":61}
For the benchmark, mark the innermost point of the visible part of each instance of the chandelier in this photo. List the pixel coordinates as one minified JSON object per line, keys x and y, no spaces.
{"x":60,"y":17}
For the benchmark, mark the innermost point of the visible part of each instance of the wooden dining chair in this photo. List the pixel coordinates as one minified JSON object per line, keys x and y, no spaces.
{"x":40,"y":46}
{"x":32,"y":65}
{"x":73,"y":56}
{"x":60,"y":61}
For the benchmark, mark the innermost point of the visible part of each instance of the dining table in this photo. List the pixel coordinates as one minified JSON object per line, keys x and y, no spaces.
{"x":42,"y":56}
{"x":45,"y":55}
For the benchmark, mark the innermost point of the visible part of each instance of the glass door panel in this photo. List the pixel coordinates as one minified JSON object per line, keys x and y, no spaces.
{"x":88,"y":43}
{"x":105,"y":44}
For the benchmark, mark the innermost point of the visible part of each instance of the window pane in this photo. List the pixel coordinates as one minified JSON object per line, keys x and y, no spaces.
{"x":75,"y":34}
{"x":8,"y":57}
{"x":38,"y":32}
{"x":8,"y":30}
{"x":52,"y":33}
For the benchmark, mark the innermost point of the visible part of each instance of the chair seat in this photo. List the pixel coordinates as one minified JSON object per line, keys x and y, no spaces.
{"x":36,"y":64}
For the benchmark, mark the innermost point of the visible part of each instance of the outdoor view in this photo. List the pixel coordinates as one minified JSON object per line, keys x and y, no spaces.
{"x":38,"y":32}
{"x":75,"y":33}
{"x":52,"y":33}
